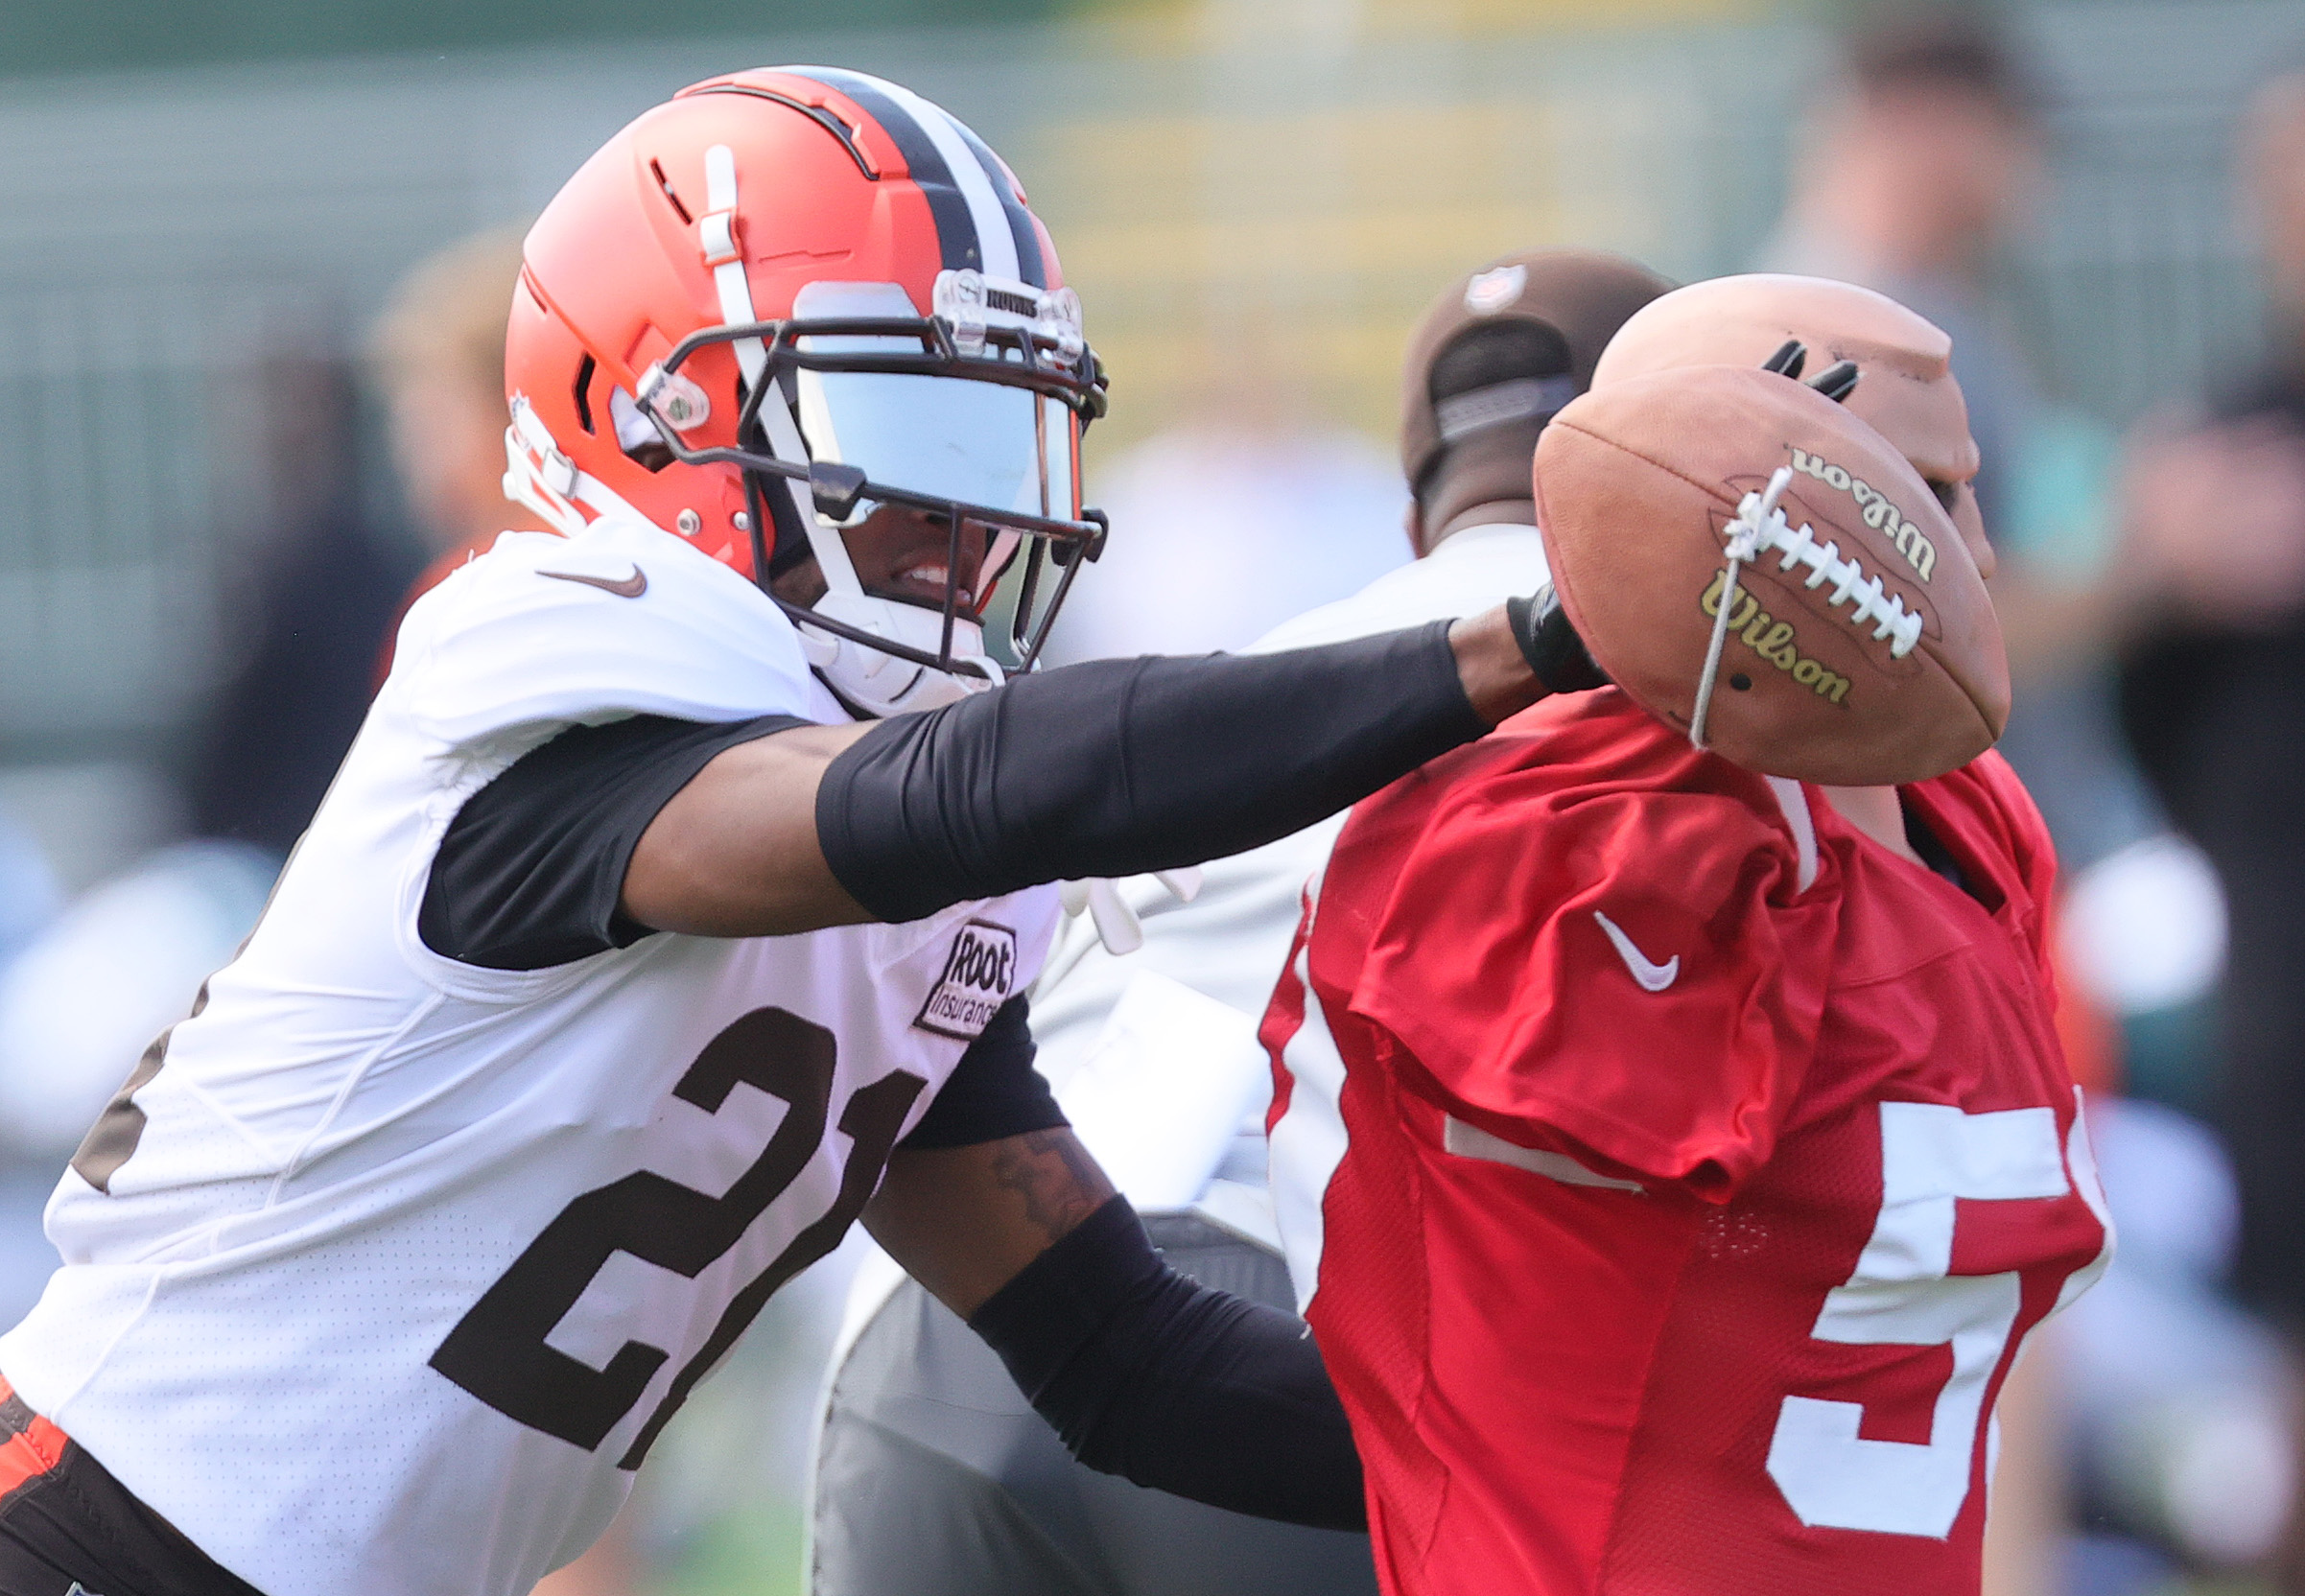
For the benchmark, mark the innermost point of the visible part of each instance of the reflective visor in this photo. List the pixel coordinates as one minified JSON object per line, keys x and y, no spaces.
{"x":981,"y":443}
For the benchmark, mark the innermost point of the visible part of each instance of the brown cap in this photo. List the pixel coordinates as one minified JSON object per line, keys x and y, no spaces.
{"x":1506,"y":346}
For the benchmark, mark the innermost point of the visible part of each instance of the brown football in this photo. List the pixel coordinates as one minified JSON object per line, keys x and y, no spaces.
{"x":1825,"y":676}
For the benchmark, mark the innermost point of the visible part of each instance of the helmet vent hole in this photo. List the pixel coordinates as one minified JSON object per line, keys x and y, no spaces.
{"x":584,"y":394}
{"x":656,"y":168}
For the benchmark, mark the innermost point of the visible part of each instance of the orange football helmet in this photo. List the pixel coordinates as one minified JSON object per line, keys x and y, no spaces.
{"x":788,"y":297}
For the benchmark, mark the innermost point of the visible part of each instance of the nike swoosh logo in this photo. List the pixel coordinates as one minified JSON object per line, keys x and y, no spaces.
{"x":624,"y":587}
{"x":1652,"y":977}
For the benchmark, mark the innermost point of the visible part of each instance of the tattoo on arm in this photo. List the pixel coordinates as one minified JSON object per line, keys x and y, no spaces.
{"x":1053,"y":1173}
{"x":965,"y":1219}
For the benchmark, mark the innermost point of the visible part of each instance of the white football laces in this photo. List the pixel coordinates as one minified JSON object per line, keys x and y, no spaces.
{"x":1759,"y":528}
{"x":1116,"y":924}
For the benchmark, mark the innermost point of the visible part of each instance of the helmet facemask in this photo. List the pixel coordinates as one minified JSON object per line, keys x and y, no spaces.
{"x":858,"y":406}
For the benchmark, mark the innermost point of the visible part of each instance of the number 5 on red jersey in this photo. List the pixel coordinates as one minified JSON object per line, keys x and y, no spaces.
{"x":1902,"y":1293}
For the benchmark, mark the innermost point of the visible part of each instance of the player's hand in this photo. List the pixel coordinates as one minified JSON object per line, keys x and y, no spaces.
{"x":1522,"y":651}
{"x":1836,"y":382}
{"x":1550,"y":643}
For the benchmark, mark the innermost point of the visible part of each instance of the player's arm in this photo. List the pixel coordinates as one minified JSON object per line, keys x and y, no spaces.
{"x":995,"y":1206}
{"x":1107,"y":768}
{"x":1143,"y":1372}
{"x":776,"y":825}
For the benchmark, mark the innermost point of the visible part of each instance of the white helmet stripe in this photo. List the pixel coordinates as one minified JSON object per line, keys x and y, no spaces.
{"x":1032,"y":266}
{"x":957,"y":226}
{"x":993,"y":240}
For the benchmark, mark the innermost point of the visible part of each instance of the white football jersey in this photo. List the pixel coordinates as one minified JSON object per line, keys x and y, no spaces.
{"x":407,"y":1262}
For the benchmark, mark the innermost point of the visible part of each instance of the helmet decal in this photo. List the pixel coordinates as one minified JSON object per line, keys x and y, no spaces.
{"x":980,"y":220}
{"x":1025,"y":236}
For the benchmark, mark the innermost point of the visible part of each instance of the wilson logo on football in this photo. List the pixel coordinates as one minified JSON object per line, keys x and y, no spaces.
{"x":1774,"y":640}
{"x":1880,"y":514}
{"x":979,"y":974}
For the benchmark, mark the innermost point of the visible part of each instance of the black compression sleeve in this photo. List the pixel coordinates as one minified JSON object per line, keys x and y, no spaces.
{"x":1172,"y":1385}
{"x":530,"y":873}
{"x":994,"y":1092}
{"x":1118,"y":766}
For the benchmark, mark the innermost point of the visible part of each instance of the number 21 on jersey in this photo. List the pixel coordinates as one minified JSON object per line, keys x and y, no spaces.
{"x":498,"y":1350}
{"x":1903,"y":1292}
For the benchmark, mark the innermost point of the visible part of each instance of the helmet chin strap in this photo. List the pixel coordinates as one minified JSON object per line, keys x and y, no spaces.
{"x":540,"y":477}
{"x":877,"y":684}
{"x":864,"y":678}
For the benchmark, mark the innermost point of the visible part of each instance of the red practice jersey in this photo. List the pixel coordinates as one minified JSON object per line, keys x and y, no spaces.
{"x":1699,"y":1166}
